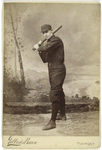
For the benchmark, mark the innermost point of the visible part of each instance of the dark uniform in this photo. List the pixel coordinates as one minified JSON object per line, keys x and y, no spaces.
{"x":53,"y":53}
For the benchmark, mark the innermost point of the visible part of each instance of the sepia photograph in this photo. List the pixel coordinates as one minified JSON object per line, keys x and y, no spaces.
{"x":51,"y":75}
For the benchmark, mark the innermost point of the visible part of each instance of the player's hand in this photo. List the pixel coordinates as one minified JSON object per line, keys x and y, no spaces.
{"x":36,"y":46}
{"x":39,"y":43}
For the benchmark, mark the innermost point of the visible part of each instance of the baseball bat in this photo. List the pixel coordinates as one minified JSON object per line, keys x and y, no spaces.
{"x":52,"y":32}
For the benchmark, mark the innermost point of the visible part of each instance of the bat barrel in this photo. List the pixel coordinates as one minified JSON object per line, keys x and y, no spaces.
{"x":57,"y":29}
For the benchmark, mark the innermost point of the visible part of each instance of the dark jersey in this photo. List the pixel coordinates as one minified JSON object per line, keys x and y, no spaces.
{"x":53,"y":51}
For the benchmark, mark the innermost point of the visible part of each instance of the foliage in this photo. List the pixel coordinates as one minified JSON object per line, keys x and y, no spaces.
{"x":12,"y":88}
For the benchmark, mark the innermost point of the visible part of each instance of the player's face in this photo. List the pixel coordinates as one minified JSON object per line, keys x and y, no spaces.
{"x":47,"y":34}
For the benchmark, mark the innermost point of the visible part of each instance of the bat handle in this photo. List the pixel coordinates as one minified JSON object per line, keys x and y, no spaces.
{"x":34,"y":49}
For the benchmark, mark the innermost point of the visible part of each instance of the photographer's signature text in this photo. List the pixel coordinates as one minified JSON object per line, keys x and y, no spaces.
{"x":13,"y":141}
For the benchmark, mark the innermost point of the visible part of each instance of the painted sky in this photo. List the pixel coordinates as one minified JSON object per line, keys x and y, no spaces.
{"x":80,"y":30}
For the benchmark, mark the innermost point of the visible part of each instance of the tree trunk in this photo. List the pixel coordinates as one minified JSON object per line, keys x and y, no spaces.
{"x":19,"y":54}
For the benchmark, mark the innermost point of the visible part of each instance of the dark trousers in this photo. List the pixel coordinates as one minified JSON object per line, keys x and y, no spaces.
{"x":57,"y":73}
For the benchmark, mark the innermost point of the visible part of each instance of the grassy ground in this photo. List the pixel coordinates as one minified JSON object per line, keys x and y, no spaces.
{"x":77,"y":124}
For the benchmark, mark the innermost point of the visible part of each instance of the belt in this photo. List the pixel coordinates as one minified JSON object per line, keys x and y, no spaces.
{"x":54,"y":63}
